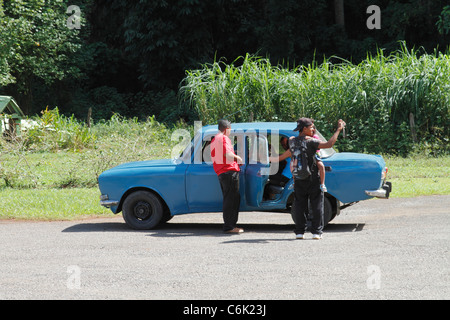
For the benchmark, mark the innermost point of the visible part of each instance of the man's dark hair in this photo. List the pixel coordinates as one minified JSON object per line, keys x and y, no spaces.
{"x":303,"y":122}
{"x":224,"y":124}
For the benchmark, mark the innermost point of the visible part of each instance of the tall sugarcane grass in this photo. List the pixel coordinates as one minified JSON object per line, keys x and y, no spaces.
{"x":391,"y":103}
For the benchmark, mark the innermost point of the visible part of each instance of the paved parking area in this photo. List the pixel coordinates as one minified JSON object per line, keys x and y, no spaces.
{"x":377,"y":249}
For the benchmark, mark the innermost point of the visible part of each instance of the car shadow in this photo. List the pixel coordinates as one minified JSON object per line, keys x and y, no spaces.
{"x":173,"y":229}
{"x":215,"y":229}
{"x":100,"y":227}
{"x":344,"y":227}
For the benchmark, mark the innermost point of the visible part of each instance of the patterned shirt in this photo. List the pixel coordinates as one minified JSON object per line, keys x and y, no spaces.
{"x":311,"y":147}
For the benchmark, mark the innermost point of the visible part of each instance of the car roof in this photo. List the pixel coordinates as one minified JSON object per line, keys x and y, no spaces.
{"x":286,"y":128}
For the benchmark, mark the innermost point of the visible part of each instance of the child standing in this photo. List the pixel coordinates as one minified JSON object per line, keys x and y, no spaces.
{"x":321,"y":168}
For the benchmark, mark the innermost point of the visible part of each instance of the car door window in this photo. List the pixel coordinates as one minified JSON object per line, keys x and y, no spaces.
{"x":258,"y":151}
{"x":206,"y":150}
{"x":235,"y":138}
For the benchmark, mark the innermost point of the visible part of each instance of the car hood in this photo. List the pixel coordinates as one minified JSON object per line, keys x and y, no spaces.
{"x":350,"y":158}
{"x":147,"y":163}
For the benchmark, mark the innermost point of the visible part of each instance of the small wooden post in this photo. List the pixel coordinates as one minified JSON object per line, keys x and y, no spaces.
{"x":89,"y":115}
{"x":413,"y":127}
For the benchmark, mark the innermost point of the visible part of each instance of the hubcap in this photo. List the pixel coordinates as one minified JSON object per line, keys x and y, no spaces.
{"x":142,"y":210}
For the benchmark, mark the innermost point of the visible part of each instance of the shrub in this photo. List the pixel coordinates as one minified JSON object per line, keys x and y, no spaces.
{"x":62,"y":152}
{"x":57,"y":132}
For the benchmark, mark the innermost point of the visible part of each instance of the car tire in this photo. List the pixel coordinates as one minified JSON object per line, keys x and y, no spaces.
{"x":142,"y":210}
{"x":327,"y":212}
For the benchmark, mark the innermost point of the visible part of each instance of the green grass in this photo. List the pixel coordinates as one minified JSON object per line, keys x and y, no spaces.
{"x":51,"y":204}
{"x":51,"y":172}
{"x":46,"y":170}
{"x":419,"y":176}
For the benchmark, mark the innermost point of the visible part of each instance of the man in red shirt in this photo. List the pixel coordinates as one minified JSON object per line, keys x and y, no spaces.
{"x":226,"y":165}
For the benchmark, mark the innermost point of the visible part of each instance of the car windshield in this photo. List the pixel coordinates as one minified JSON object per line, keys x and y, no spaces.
{"x":187,"y":152}
{"x":324,"y":153}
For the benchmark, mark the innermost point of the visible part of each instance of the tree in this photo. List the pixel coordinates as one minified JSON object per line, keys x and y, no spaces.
{"x":36,"y":44}
{"x":443,"y":23}
{"x":339,"y":12}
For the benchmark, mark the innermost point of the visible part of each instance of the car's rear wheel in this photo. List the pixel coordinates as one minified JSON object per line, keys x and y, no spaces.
{"x":327,"y":212}
{"x":142,"y":210}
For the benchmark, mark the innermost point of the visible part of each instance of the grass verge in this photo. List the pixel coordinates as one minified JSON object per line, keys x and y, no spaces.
{"x":419,"y":176}
{"x":51,"y":204}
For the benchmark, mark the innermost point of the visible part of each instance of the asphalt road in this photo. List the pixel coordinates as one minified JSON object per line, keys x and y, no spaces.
{"x":377,"y":249}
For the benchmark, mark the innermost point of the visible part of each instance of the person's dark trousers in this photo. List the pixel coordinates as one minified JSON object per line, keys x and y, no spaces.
{"x":229,"y":183}
{"x":304,"y":189}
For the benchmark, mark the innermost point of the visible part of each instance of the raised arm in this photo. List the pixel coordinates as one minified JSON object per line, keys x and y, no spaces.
{"x":280,"y":158}
{"x":332,"y":140}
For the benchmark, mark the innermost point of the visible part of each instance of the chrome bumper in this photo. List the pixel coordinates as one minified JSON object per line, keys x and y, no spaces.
{"x":383,"y":192}
{"x":104,"y":201}
{"x":109,"y":203}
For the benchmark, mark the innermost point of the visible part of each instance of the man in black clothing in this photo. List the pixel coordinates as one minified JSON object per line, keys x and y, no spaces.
{"x":309,"y":188}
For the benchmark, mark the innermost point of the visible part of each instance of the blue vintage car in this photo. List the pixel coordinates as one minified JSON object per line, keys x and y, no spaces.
{"x":152,"y":192}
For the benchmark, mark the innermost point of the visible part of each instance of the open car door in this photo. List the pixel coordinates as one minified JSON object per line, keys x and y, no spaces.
{"x":257,"y":169}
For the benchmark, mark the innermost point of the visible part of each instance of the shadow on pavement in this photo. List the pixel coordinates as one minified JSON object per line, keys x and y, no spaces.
{"x":172,"y":229}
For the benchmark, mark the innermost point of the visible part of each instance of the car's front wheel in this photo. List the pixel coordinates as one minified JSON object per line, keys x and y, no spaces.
{"x":142,"y":210}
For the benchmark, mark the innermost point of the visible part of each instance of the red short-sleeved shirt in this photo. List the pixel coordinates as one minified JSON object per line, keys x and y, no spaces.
{"x":220,"y":145}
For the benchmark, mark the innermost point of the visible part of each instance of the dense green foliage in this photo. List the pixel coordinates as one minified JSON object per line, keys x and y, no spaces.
{"x":60,"y":152}
{"x":129,"y":57}
{"x":35,"y":44}
{"x":377,"y":98}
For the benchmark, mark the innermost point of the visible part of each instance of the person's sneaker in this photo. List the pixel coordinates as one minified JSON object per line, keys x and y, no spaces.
{"x":317,"y":236}
{"x":323,"y":188}
{"x":235,"y":231}
{"x":300,"y":236}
